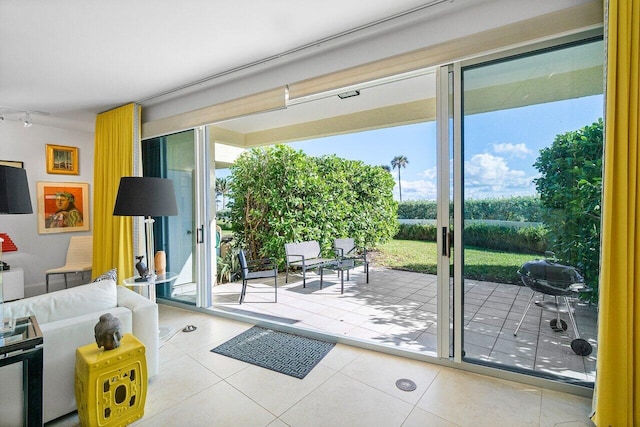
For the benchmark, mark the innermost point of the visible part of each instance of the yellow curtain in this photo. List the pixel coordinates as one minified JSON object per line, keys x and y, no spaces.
{"x":617,"y":392}
{"x":116,"y":142}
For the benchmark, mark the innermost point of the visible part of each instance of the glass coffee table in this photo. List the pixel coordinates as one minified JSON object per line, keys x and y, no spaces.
{"x":24,"y":344}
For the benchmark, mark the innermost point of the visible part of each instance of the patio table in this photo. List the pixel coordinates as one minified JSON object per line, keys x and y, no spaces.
{"x":339,"y":265}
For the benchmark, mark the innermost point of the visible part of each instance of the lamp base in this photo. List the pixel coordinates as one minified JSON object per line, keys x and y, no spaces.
{"x":8,"y":326}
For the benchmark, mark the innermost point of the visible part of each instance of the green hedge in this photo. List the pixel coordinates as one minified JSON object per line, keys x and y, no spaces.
{"x":526,"y":209}
{"x":531,"y":240}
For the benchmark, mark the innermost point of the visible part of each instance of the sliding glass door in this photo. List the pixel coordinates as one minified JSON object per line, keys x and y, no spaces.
{"x":181,"y":158}
{"x":531,"y":159}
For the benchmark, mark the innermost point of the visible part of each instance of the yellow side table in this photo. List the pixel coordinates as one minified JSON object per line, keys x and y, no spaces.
{"x":111,"y":385}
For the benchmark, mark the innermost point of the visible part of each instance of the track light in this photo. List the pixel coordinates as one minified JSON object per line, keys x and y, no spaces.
{"x":27,"y":120}
{"x":23,"y":115}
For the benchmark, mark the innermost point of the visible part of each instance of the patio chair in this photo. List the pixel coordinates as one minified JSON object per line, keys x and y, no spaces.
{"x":79,"y":259}
{"x":257,"y":269}
{"x":346,"y":249}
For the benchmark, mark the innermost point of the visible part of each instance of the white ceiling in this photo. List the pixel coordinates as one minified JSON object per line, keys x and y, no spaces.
{"x":71,"y":59}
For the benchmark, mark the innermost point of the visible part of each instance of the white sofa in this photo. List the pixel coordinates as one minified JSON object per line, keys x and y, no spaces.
{"x":67,"y":319}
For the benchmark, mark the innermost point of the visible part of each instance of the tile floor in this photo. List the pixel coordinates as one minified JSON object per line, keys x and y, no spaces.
{"x":349,"y":387}
{"x":398,"y":309}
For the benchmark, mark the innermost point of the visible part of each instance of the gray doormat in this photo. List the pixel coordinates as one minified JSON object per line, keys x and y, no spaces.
{"x":279,"y":351}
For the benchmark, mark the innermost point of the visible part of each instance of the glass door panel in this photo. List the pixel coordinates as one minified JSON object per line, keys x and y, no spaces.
{"x":532,"y":150}
{"x":173,"y":157}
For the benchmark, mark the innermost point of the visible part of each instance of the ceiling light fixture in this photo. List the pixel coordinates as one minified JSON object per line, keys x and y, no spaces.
{"x":27,"y":120}
{"x":20,"y":114}
{"x":349,"y":94}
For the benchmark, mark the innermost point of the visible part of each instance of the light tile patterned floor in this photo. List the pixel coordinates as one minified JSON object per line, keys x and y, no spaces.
{"x":398,"y":309}
{"x":350,"y":387}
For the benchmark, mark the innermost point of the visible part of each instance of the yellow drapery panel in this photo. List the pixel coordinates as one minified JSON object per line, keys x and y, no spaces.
{"x":617,"y":392}
{"x":115,"y":142}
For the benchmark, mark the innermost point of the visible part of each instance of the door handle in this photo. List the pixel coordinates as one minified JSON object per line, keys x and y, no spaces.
{"x":200,"y":234}
{"x":445,"y":242}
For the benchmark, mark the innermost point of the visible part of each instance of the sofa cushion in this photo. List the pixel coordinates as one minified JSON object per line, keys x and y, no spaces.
{"x":66,"y":303}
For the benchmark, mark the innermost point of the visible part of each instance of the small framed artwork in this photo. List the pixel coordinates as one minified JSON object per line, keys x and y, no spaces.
{"x":62,"y":160}
{"x":12,"y":163}
{"x":63,"y":207}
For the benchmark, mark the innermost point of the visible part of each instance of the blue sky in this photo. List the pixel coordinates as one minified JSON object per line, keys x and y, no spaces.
{"x":500,"y":148}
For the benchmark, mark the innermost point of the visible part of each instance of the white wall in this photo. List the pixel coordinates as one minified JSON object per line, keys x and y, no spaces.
{"x":40,"y":252}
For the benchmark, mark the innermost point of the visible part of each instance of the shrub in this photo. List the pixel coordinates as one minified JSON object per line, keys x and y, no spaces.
{"x":531,"y":240}
{"x":570,"y":188}
{"x":426,"y":232}
{"x":281,"y":195}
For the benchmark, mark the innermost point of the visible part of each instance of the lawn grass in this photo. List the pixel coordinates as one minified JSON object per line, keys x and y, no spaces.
{"x":480,"y":264}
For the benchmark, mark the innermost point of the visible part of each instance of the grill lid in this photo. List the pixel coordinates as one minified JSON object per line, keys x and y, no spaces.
{"x":551,"y":272}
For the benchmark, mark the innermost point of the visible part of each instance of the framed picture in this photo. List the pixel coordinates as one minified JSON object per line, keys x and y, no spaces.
{"x":12,"y":163}
{"x":62,"y":160}
{"x":63,"y":207}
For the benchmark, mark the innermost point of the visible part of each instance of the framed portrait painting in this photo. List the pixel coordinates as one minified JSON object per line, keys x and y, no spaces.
{"x":62,"y":160}
{"x":63,"y":207}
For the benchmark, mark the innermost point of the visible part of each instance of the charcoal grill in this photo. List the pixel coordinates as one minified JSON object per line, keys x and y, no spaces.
{"x":564,"y":283}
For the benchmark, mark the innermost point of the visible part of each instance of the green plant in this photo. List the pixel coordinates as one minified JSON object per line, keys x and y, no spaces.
{"x":281,"y":195}
{"x":570,"y":188}
{"x":227,"y":266}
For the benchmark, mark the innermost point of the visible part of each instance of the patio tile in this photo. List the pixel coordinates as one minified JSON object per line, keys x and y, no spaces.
{"x":479,"y":339}
{"x":521,"y":348}
{"x":483,"y":328}
{"x":398,"y":309}
{"x":512,"y":359}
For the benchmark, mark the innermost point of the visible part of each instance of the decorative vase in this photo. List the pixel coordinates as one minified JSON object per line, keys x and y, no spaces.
{"x":160,"y":262}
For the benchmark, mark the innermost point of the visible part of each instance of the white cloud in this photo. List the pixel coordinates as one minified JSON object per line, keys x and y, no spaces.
{"x":417,"y":190}
{"x":517,"y":150}
{"x":430,"y":174}
{"x":487,"y":175}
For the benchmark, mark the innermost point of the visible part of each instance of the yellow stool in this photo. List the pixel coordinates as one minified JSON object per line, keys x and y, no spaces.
{"x":111,"y":385}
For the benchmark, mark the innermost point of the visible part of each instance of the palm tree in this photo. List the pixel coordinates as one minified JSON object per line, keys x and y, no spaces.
{"x":222,"y":188}
{"x":399,"y":162}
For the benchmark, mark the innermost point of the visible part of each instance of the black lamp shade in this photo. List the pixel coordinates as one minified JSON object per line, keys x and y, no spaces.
{"x":145,"y":196}
{"x":14,"y":191}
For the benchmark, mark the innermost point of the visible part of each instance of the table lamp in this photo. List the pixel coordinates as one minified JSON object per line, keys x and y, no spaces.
{"x":147,"y":197}
{"x":14,"y":199}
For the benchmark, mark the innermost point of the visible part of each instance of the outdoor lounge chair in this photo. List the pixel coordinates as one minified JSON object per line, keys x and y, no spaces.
{"x":346,"y":249}
{"x":257,"y":269}
{"x":304,"y":255}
